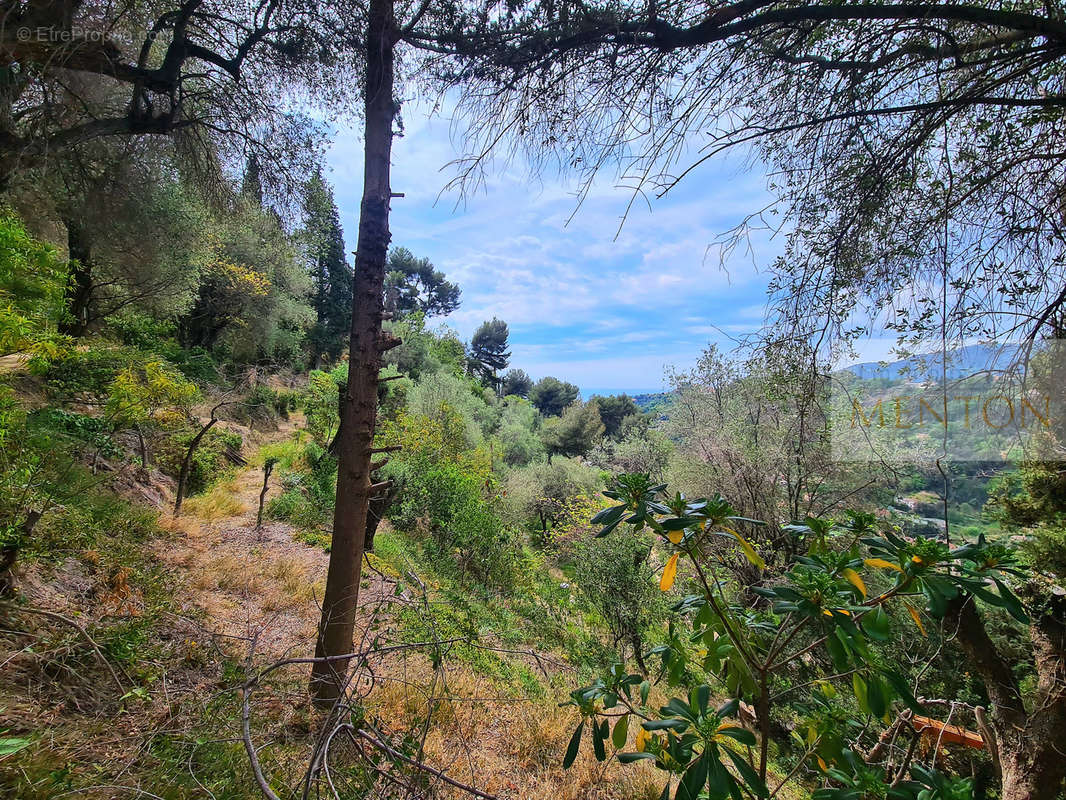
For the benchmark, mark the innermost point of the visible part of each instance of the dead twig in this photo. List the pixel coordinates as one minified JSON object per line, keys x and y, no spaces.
{"x":420,"y":766}
{"x":84,"y":634}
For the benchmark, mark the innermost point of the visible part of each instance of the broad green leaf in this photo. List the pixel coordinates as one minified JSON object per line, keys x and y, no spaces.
{"x":1010,"y":602}
{"x":750,"y":776}
{"x":665,"y":724}
{"x":876,"y":697}
{"x":571,"y":749}
{"x":629,"y":758}
{"x":693,"y":780}
{"x":737,"y":733}
{"x":859,"y":685}
{"x":597,"y":742}
{"x":620,"y":732}
{"x":902,"y":689}
{"x":838,"y":652}
{"x":877,"y":625}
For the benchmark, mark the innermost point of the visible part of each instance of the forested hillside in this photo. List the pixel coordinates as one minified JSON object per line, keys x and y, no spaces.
{"x":288,"y":509}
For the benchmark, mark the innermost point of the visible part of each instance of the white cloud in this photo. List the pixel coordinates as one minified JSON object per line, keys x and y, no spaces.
{"x":581,"y":297}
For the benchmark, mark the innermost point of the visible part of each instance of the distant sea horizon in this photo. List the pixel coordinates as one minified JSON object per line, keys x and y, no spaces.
{"x":587,"y":393}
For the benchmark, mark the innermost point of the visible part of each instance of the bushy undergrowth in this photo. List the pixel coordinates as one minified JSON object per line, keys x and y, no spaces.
{"x":87,"y":373}
{"x":264,"y":405}
{"x":309,"y":479}
{"x":209,"y":462}
{"x":447,"y":489}
{"x":91,"y":431}
{"x":152,"y":335}
{"x":551,"y":501}
{"x":32,"y":287}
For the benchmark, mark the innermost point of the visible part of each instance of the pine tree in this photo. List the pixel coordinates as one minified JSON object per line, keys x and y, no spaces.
{"x":331,"y":275}
{"x":517,"y":382}
{"x":488,"y":349}
{"x":412,"y":284}
{"x":552,"y":396}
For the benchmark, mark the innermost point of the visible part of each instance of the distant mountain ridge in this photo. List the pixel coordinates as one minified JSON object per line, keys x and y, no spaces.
{"x":961,"y":362}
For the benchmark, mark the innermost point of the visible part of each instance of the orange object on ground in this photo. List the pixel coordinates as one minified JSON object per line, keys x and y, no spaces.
{"x":952,"y":734}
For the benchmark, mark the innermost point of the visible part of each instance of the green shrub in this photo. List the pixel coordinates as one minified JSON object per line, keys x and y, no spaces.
{"x":79,"y":373}
{"x":152,"y":335}
{"x":93,"y":431}
{"x":265,"y":405}
{"x":446,"y":488}
{"x":614,"y":577}
{"x":308,"y":493}
{"x":209,"y":462}
{"x":551,"y":499}
{"x":142,"y":331}
{"x":321,"y":403}
{"x":517,"y":433}
{"x":33,"y":283}
{"x":462,"y":525}
{"x":83,"y":520}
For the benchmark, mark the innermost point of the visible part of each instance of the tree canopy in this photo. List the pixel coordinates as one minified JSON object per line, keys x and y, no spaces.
{"x":216,"y":76}
{"x":322,"y":241}
{"x":488,"y":349}
{"x":615,"y":409}
{"x":551,"y":396}
{"x":412,"y":284}
{"x":517,"y":382}
{"x":910,"y":147}
{"x":574,"y":433}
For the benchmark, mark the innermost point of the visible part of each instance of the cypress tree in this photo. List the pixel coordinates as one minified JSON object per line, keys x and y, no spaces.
{"x":331,"y":276}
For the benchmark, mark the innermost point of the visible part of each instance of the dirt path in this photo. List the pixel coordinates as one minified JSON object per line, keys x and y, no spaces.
{"x":245,"y":581}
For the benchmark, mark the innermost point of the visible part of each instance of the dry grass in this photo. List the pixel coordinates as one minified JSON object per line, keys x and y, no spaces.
{"x":229,"y":572}
{"x":288,"y":584}
{"x":222,"y":500}
{"x":509,"y":746}
{"x":184,"y":526}
{"x":245,"y":580}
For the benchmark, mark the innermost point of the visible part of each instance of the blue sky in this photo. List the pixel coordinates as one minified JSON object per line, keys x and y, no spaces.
{"x":605,"y":313}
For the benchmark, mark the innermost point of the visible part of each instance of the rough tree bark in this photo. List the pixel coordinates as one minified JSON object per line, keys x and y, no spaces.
{"x":80,"y":290}
{"x":1031,"y":753}
{"x":367,"y":343}
{"x":379,"y":505}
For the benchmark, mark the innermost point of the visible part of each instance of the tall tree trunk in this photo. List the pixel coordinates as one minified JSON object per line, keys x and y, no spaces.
{"x":1031,"y":753}
{"x":80,"y":290}
{"x":367,"y":342}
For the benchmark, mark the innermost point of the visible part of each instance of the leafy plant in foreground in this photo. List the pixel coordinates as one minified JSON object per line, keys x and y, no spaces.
{"x":830,"y":608}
